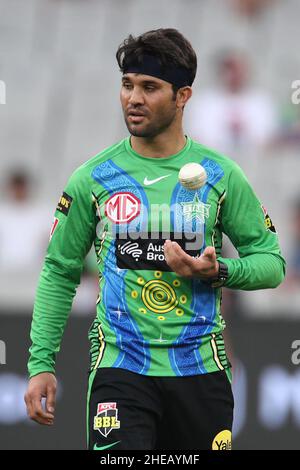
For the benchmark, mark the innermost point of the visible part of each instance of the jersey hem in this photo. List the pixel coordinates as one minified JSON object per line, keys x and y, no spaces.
{"x":161,"y":373}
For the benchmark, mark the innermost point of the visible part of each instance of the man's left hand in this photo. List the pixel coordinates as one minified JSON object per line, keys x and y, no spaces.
{"x":204,"y":267}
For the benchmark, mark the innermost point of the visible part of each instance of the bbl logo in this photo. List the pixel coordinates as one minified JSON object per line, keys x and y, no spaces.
{"x":107,"y":418}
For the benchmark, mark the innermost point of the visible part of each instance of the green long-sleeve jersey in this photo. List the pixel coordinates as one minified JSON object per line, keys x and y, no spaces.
{"x":150,"y":320}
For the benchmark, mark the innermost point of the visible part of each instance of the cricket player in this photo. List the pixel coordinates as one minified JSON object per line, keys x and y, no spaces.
{"x":159,"y":375}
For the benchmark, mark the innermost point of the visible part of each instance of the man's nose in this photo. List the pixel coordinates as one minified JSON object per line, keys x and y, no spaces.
{"x":136,"y":96}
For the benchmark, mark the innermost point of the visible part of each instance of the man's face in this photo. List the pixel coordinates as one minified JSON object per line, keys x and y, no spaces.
{"x":148,"y":104}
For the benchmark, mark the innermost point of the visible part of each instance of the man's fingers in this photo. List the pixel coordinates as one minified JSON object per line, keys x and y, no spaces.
{"x":50,"y":400}
{"x":39,"y":414}
{"x":179,"y":251}
{"x":178,"y":260}
{"x":169,"y":251}
{"x":175,"y":252}
{"x":28,"y":406}
{"x":187,"y":266}
{"x":34,"y":414}
{"x":41,"y":386}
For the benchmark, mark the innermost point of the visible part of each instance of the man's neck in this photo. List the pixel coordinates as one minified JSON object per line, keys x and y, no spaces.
{"x":162,"y":145}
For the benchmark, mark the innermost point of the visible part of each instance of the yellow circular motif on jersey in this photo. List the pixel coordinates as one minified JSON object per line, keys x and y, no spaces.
{"x":140,"y":280}
{"x":142,"y":310}
{"x":158,"y":296}
{"x":134,"y":294}
{"x":158,"y":274}
{"x":179,"y":312}
{"x":161,"y":318}
{"x":183,"y":299}
{"x":176,"y":283}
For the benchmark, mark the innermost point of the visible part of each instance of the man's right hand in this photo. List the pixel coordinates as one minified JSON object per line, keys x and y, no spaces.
{"x":41,"y":386}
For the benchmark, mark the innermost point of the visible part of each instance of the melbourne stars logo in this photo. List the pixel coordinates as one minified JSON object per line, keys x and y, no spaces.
{"x":195,"y":209}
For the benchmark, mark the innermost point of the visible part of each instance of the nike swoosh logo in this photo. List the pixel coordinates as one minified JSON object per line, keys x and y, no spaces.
{"x":148,"y":182}
{"x":105,"y":447}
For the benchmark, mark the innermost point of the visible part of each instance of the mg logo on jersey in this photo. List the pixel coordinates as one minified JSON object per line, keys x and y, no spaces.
{"x":122,"y":207}
{"x":107,"y":418}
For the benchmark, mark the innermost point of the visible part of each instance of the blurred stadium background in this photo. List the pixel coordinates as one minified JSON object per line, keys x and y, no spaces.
{"x":57,"y":60}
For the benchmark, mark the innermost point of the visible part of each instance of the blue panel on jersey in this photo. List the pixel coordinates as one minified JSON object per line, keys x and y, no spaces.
{"x":186,"y":359}
{"x":203,"y":304}
{"x":183,"y":218}
{"x":214,"y":174}
{"x":184,"y":355}
{"x":134,"y":352}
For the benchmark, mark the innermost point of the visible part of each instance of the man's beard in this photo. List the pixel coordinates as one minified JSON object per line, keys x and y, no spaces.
{"x":150,"y":130}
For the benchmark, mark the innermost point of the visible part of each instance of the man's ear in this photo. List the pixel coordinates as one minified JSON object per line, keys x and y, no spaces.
{"x":183,"y":95}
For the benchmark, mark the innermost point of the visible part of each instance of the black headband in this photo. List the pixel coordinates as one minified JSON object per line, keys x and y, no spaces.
{"x":150,"y":65}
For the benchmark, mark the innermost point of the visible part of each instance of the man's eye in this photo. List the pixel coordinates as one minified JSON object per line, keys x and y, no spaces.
{"x":127,"y":86}
{"x":150,"y":88}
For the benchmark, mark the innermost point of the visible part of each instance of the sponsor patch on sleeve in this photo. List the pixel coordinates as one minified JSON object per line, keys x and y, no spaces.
{"x":64,"y":203}
{"x":268,"y":222}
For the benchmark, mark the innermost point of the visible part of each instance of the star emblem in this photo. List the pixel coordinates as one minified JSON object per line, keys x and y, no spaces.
{"x":160,"y":339}
{"x":195,"y":209}
{"x":118,"y":312}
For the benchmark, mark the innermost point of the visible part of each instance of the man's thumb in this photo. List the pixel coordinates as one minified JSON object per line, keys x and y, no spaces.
{"x":209,"y":252}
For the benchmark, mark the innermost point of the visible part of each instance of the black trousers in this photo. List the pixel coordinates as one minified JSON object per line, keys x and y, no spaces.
{"x":129,"y":411}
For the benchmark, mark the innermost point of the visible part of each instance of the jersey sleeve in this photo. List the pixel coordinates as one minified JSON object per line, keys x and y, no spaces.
{"x":71,"y":237}
{"x":243,"y":218}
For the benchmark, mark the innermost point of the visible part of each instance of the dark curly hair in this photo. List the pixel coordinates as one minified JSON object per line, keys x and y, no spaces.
{"x":167,"y":44}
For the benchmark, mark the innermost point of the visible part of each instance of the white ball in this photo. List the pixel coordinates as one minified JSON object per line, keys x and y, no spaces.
{"x":192,"y":176}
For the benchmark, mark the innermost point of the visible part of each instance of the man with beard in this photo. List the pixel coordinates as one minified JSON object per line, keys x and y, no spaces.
{"x":159,"y":375}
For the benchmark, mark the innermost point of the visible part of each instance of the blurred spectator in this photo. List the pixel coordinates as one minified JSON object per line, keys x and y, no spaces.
{"x":232,"y":117}
{"x":289,"y":134}
{"x":24,"y":226}
{"x":251,"y":8}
